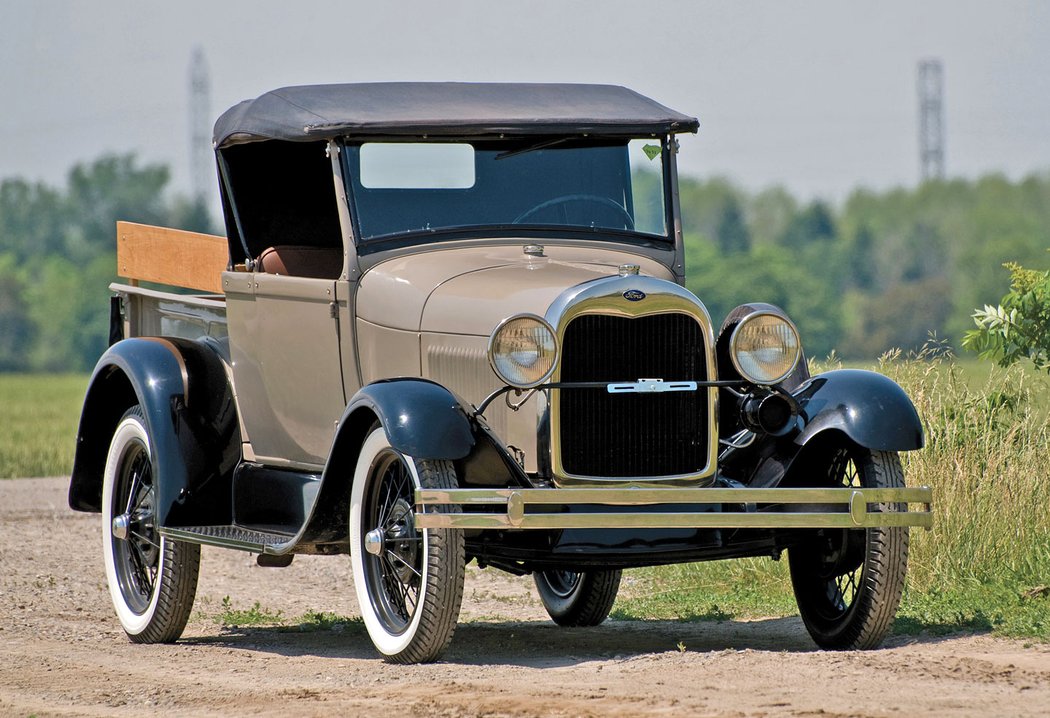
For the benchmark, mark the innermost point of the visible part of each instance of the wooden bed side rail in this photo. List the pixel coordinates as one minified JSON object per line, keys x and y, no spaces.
{"x":171,"y":256}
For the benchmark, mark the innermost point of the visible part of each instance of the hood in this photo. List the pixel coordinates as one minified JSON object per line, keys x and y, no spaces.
{"x":470,"y":290}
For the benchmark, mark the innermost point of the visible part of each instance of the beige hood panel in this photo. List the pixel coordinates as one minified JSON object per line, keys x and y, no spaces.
{"x":469,"y":290}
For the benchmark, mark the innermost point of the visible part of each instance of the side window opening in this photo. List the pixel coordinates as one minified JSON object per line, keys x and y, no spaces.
{"x":285,"y":199}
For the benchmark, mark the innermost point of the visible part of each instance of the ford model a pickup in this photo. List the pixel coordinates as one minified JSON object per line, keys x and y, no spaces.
{"x":448,"y":323}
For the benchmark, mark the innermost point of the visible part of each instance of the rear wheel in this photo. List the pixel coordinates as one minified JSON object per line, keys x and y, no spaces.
{"x":848,"y":582}
{"x":152,"y":580}
{"x":409,"y":581}
{"x":578,"y":598}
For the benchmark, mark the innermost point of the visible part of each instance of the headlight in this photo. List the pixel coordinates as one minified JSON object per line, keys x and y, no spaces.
{"x":765,"y":348}
{"x":523,"y":351}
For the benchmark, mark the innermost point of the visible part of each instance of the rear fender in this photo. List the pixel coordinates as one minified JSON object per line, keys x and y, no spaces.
{"x":188,"y":405}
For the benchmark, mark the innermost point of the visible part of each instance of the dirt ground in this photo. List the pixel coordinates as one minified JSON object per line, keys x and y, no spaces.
{"x":62,"y":652}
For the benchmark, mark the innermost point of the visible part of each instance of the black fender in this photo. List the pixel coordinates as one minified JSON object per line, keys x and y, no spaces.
{"x":422,"y":419}
{"x":862,"y":407}
{"x":869,"y":408}
{"x":185,"y":396}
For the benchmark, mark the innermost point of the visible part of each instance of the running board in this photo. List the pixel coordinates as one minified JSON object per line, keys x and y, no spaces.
{"x":235,"y":537}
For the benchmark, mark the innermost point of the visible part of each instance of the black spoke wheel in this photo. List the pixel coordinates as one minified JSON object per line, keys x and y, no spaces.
{"x":409,"y":581}
{"x":578,"y":598}
{"x":152,"y":581}
{"x":848,"y":582}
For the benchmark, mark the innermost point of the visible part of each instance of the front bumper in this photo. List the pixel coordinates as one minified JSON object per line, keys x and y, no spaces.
{"x":728,"y":508}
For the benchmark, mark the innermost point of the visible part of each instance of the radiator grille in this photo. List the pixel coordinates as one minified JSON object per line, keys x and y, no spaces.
{"x":633,"y":435}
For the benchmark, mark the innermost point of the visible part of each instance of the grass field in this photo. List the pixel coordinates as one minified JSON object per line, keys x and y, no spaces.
{"x":38,"y":423}
{"x":984,"y":566}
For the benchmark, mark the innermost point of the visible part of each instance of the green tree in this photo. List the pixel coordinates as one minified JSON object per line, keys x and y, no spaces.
{"x":57,"y":257}
{"x":769,"y":213}
{"x":16,"y":331}
{"x":812,"y":225}
{"x":862,"y":267}
{"x":33,"y":219}
{"x":111,"y":188}
{"x":733,"y":235}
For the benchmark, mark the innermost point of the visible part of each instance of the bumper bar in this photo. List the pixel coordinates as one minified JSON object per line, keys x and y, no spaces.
{"x":845,"y":508}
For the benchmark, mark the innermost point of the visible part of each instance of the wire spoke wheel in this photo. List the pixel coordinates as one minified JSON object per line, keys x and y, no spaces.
{"x":394,"y":575}
{"x":152,"y":581}
{"x":137,"y":555}
{"x":409,"y":581}
{"x":848,"y":582}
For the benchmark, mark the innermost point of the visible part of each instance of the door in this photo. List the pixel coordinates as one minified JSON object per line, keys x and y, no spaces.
{"x":284,"y":343}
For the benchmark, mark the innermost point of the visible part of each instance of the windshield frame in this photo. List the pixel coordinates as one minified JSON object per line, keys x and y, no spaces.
{"x":398,"y":240}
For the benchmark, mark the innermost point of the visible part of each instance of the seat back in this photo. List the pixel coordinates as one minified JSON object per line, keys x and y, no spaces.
{"x":297,"y":261}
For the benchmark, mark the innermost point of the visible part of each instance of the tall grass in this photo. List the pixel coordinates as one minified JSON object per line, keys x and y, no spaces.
{"x":38,"y":423}
{"x":986,"y":562}
{"x":987,"y":458}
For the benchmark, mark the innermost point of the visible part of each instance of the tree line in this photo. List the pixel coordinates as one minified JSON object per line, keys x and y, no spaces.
{"x":882,"y":271}
{"x":58,"y":257}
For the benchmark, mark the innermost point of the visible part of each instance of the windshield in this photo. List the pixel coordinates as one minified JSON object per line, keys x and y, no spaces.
{"x":401,"y":189}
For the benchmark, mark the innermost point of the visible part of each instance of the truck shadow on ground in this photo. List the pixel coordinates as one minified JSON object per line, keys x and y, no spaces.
{"x":543,"y":644}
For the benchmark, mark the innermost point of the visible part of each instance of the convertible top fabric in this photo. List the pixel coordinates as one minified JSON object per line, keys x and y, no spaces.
{"x":318,"y":112}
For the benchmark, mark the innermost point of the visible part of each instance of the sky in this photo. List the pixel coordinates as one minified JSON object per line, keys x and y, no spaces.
{"x":818,"y":96}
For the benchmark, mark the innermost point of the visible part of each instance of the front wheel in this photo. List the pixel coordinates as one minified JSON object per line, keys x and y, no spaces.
{"x":578,"y":598}
{"x":152,"y":580}
{"x":848,"y":582}
{"x":409,"y":581}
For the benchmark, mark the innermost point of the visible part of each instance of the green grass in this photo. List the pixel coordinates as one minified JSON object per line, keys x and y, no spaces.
{"x":986,"y":563}
{"x":259,"y":617}
{"x":39,"y":414}
{"x":231,"y":617}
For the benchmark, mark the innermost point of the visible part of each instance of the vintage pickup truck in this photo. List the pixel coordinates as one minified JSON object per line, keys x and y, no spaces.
{"x":448,"y":323}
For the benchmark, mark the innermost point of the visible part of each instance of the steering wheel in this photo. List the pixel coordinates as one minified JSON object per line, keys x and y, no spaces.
{"x":565,"y":199}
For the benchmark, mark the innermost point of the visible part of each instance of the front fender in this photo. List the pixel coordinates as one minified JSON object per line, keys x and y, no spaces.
{"x":421,"y":418}
{"x":185,"y":396}
{"x":869,"y":408}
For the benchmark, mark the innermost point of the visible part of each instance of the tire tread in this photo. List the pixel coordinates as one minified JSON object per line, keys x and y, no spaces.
{"x":884,"y":569}
{"x":440,"y":616}
{"x":589,"y":605}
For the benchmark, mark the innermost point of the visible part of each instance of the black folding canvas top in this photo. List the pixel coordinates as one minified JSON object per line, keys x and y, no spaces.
{"x":317,"y":112}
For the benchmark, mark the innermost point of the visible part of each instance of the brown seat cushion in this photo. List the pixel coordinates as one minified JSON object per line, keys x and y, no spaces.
{"x":293,"y":261}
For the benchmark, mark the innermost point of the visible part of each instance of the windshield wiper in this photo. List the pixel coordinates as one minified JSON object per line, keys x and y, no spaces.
{"x":530,"y":148}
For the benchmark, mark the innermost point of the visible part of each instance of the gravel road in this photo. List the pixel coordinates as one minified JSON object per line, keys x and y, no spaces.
{"x":62,"y":652}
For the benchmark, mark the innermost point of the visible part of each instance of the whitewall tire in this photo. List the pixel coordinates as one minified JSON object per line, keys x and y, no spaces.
{"x":409,"y":582}
{"x":152,"y":581}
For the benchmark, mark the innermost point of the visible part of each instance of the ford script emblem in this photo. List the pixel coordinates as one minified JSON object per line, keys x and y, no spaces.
{"x":634,"y":295}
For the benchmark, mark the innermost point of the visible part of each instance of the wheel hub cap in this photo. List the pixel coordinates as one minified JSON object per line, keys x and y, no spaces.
{"x":374,"y":542}
{"x":120,"y":527}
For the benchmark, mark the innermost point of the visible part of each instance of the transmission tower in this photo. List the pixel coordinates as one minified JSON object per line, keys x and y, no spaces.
{"x":201,"y":171}
{"x":931,"y":120}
